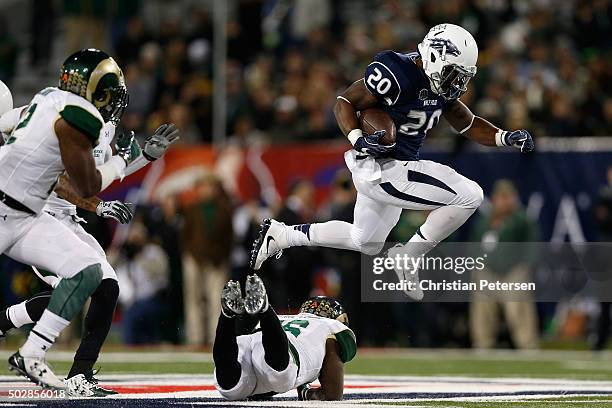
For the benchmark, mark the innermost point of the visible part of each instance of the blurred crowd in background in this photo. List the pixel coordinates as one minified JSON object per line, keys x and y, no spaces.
{"x":544,"y":65}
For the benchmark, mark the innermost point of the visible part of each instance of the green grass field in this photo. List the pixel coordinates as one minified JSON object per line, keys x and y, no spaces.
{"x":541,"y":364}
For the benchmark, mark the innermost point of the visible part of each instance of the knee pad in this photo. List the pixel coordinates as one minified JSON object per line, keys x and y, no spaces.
{"x":363,"y":245}
{"x":71,"y":293}
{"x":471,"y":196}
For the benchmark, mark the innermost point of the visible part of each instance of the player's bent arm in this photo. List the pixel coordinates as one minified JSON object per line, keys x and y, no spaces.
{"x":473,"y":127}
{"x":331,"y":376}
{"x":65,"y":190}
{"x":76,"y":153}
{"x":483,"y":132}
{"x":356,"y":98}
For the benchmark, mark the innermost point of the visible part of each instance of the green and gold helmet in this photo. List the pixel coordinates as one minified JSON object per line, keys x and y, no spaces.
{"x":325,"y":307}
{"x":95,"y":76}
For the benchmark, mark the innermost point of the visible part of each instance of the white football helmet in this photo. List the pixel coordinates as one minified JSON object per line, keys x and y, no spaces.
{"x":449,"y":54}
{"x":6,"y":99}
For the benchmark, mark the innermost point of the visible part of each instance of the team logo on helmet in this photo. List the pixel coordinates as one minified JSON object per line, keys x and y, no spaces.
{"x":444,"y":46}
{"x":325,"y":307}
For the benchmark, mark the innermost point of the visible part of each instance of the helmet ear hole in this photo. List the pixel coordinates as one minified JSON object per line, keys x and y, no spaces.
{"x":432,"y":57}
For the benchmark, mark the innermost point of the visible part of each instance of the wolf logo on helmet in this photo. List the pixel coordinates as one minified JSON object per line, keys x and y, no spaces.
{"x":444,"y":47}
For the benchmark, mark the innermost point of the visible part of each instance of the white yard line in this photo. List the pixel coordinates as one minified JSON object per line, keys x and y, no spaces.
{"x":131,"y":357}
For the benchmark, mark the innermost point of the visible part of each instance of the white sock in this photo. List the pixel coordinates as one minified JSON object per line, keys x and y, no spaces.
{"x":43,"y":335}
{"x":18,"y":315}
{"x":332,"y":234}
{"x":440,"y":223}
{"x":443,"y":221}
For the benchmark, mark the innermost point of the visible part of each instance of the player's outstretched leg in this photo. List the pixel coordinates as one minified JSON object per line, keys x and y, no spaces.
{"x":273,"y":337}
{"x":225,"y":348}
{"x":373,"y":220}
{"x":275,"y":236}
{"x":26,"y":312}
{"x":66,"y":301}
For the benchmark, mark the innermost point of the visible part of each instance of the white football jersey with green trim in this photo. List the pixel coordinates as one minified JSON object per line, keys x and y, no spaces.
{"x":307,"y":336}
{"x":30,"y":161}
{"x":101,"y":153}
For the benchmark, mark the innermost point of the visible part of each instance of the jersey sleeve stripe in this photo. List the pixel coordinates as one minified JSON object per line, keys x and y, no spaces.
{"x":83,"y":121}
{"x":348,"y":345}
{"x":295,"y":355}
{"x":399,"y":88}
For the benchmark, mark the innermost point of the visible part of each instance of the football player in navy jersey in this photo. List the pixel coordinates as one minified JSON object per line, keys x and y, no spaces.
{"x":415,"y":89}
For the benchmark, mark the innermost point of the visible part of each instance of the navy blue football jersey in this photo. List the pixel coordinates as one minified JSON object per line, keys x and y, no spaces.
{"x":404,"y":92}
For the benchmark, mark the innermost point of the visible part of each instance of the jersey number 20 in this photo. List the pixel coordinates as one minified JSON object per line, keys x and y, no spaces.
{"x":419,"y":118}
{"x":376,"y":81}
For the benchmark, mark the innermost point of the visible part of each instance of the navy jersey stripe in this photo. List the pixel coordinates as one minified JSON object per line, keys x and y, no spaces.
{"x":389,"y":189}
{"x":423,"y":178}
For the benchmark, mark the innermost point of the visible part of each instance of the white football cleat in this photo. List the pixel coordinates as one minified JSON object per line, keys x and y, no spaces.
{"x":78,"y":386}
{"x":409,"y":275}
{"x":86,"y":385}
{"x":271,"y":241}
{"x":36,"y":370}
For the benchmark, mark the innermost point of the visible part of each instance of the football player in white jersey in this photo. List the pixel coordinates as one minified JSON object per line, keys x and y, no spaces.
{"x":414,"y":89}
{"x":62,"y":205}
{"x":283,"y":352}
{"x":55,"y":134}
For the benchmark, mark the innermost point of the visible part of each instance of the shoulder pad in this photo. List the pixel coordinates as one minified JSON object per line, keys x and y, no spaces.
{"x":391,"y":77}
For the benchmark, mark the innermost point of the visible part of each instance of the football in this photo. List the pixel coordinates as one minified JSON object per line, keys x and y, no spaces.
{"x":372,"y":120}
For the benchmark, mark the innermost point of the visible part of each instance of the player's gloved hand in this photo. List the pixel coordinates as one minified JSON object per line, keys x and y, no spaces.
{"x":521,"y":139}
{"x":302,"y":391}
{"x":117,"y":210}
{"x":127,"y":147}
{"x":157,"y":144}
{"x":370,"y":145}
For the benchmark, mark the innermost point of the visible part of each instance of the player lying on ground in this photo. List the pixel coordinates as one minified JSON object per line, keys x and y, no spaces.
{"x":62,"y":205}
{"x":284,"y":352}
{"x":415,"y":89}
{"x":56,"y":134}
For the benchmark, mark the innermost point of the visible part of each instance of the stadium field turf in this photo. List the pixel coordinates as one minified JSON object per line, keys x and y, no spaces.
{"x":388,"y":377}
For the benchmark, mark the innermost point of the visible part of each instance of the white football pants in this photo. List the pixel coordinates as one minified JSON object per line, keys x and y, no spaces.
{"x":44,"y":242}
{"x":413,"y":185}
{"x":69,"y":221}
